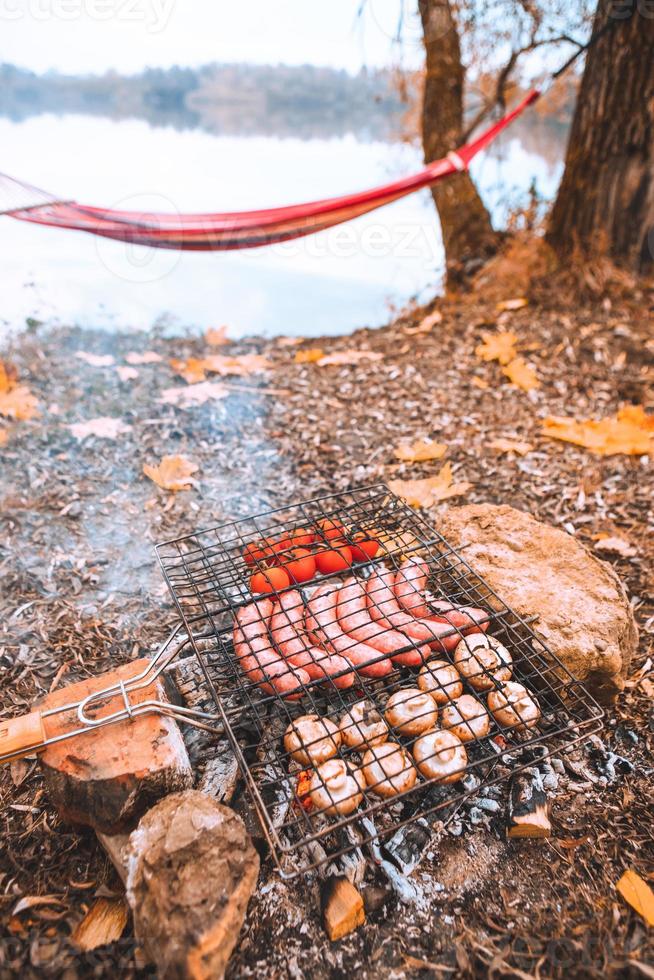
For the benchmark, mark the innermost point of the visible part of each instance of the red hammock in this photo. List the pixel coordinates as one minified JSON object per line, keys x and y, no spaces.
{"x":238,"y":229}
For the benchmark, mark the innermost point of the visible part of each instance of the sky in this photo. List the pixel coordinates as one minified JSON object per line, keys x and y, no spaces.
{"x":75,"y":36}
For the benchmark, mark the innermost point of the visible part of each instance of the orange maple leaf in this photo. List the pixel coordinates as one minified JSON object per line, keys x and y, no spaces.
{"x":630,"y":432}
{"x":309,"y":356}
{"x":172,"y":473}
{"x":497,"y":347}
{"x":511,"y":446}
{"x":638,"y":893}
{"x":431,"y":490}
{"x":420,"y":451}
{"x":522,"y":374}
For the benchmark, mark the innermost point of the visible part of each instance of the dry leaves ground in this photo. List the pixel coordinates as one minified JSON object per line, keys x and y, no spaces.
{"x":80,"y":592}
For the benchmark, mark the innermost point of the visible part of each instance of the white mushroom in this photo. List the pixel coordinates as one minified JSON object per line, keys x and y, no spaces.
{"x":411,"y":711}
{"x":482,"y":660}
{"x":466,"y":717}
{"x":440,"y":755}
{"x":311,"y":739}
{"x":335,"y":788}
{"x":513,"y":706}
{"x":388,"y":769}
{"x":440,"y":679}
{"x":363,"y":726}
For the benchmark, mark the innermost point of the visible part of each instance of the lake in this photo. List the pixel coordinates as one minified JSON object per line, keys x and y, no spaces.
{"x":330,"y":283}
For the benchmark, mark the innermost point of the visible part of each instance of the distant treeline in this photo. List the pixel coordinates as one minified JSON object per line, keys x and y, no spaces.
{"x":302,"y":101}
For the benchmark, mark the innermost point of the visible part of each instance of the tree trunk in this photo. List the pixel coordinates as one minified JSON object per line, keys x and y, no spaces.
{"x":605,"y":203}
{"x":465,"y":222}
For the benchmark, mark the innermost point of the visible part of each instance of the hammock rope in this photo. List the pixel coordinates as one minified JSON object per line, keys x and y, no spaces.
{"x":236,"y":229}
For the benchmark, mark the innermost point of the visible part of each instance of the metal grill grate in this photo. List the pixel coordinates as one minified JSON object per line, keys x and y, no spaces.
{"x":208,"y":577}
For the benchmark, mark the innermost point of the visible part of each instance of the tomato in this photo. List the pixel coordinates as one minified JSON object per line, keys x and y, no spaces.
{"x":301,"y":538}
{"x":279,"y":545}
{"x":300,"y":565}
{"x":363,"y":547}
{"x":272,"y":580}
{"x":334,"y":559}
{"x":330,"y":529}
{"x":258,"y":552}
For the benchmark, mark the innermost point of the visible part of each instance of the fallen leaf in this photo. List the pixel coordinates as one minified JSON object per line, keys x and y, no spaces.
{"x":172,"y":473}
{"x":638,"y":893}
{"x":95,"y":360}
{"x":288,"y":341}
{"x":509,"y":305}
{"x":126,"y":373}
{"x":350,"y":357}
{"x":426,"y":325}
{"x":479,"y":383}
{"x":104,"y":923}
{"x":195,"y":369}
{"x":31,"y":901}
{"x":102,"y":428}
{"x":497,"y":347}
{"x":420,"y":451}
{"x":616,"y":546}
{"x":511,"y":446}
{"x":429,"y":491}
{"x":18,"y":403}
{"x":630,"y":432}
{"x":309,"y":355}
{"x":147,"y":357}
{"x":216,"y":336}
{"x":194,"y":394}
{"x":522,"y":374}
{"x":8,"y":377}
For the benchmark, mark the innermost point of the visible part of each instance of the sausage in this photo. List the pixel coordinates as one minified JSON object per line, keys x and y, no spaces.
{"x":354,"y":617}
{"x":409,"y":587}
{"x":322,"y":622}
{"x":385,"y":609}
{"x":286,"y":622}
{"x":262,"y":664}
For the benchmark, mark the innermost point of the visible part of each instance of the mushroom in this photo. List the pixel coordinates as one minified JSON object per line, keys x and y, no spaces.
{"x":482,"y":660}
{"x":411,"y":711}
{"x":363,"y":726}
{"x":336,"y":788}
{"x":466,"y":717}
{"x":513,"y":706}
{"x":440,"y":679}
{"x":388,"y":769}
{"x":440,"y":755}
{"x":311,"y":739}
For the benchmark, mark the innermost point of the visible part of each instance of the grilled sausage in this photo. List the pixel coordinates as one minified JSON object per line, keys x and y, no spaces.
{"x":354,"y":618}
{"x":322,"y":622}
{"x":286,"y":622}
{"x":260,"y":662}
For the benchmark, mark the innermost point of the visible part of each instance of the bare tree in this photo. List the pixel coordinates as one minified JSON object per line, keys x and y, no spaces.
{"x":605,"y":202}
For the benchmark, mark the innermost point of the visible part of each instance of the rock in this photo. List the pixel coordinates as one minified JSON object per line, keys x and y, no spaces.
{"x":107,"y":777}
{"x":583,"y":612}
{"x":191,"y":871}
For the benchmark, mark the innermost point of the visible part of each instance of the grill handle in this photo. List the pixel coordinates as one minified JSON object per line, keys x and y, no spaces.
{"x":22,"y":736}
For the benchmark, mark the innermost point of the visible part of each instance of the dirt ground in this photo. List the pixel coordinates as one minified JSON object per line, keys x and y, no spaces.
{"x":81,"y":591}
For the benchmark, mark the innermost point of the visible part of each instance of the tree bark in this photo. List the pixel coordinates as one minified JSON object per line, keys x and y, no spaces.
{"x":466,"y":226}
{"x":605,"y":204}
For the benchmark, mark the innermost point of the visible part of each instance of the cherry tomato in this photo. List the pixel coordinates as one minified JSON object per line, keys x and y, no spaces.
{"x":272,"y":580}
{"x":363,"y":547}
{"x":279,"y":545}
{"x":301,"y":538}
{"x":330,"y":529}
{"x":334,"y":559}
{"x":258,"y":552}
{"x":300,"y":565}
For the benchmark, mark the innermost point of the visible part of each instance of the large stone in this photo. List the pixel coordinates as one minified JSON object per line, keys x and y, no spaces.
{"x":108,"y":776}
{"x":583,"y":612}
{"x":191,"y":869}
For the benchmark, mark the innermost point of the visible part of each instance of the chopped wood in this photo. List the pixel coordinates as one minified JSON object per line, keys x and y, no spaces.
{"x":104,"y":923}
{"x":342,"y":907}
{"x":528,"y":806}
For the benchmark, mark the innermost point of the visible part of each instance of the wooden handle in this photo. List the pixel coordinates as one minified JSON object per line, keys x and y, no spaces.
{"x":21,"y":736}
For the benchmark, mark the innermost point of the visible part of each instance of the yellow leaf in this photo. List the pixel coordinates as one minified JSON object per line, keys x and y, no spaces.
{"x":18,"y":403}
{"x":104,"y":923}
{"x":522,"y":374}
{"x":497,"y":347}
{"x":479,"y":383}
{"x":630,"y":432}
{"x":102,"y":428}
{"x":95,"y":360}
{"x":8,"y":377}
{"x":241,"y":365}
{"x":420,"y":451}
{"x":511,"y":446}
{"x":509,"y":305}
{"x":638,"y":893}
{"x":309,"y":356}
{"x":350,"y":357}
{"x":147,"y":357}
{"x":431,"y":490}
{"x":216,"y":336}
{"x":426,"y":325}
{"x":172,"y":473}
{"x":192,"y":369}
{"x":194,"y":394}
